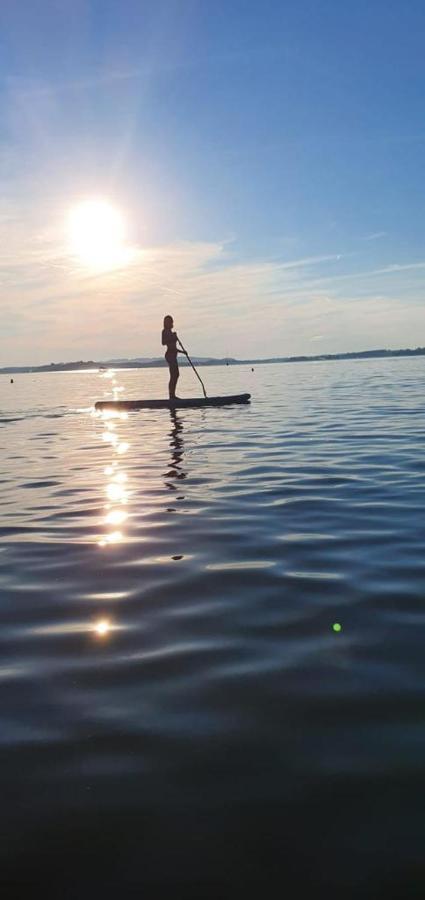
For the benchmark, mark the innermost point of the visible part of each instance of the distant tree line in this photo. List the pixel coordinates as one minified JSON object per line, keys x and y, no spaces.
{"x":205,"y":361}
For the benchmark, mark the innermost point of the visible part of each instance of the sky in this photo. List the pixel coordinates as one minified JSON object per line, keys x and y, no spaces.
{"x":257,"y":170}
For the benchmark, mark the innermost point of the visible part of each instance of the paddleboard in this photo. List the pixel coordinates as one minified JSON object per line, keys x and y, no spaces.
{"x":182,"y":403}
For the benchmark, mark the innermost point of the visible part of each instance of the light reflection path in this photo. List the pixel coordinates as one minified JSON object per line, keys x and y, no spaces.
{"x":116,"y":490}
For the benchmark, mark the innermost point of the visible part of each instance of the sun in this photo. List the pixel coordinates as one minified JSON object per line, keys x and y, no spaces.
{"x":97,"y":233}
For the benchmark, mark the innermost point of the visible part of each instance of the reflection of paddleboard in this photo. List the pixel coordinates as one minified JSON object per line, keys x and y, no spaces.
{"x":183,"y":403}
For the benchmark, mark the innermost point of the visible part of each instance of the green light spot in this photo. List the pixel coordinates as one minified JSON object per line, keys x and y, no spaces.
{"x":337,"y":627}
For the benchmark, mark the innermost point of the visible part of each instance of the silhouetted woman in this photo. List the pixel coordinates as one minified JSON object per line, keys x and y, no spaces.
{"x":169,"y":339}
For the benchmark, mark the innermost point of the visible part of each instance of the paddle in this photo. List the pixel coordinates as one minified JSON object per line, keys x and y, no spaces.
{"x":193,"y":367}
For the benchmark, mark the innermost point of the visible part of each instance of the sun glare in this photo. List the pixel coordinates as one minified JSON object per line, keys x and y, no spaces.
{"x":97,"y":235}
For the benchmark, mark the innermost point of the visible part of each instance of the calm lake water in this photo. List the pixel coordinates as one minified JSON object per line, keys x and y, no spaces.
{"x":178,"y":711}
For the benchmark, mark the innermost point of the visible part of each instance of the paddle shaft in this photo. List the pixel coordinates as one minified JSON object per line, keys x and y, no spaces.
{"x":193,"y":367}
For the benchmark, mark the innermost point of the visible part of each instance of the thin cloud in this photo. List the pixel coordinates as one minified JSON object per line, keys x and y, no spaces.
{"x":398,"y":268}
{"x":30,"y":88}
{"x":369,"y":273}
{"x":375,"y":236}
{"x":310,"y":261}
{"x":253,"y":307}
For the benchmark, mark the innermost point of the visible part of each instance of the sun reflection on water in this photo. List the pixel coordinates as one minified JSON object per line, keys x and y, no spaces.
{"x":116,"y":492}
{"x":115,"y":489}
{"x":102,"y":628}
{"x":116,"y":517}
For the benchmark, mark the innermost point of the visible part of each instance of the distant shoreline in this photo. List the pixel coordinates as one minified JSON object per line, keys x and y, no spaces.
{"x":203,"y":361}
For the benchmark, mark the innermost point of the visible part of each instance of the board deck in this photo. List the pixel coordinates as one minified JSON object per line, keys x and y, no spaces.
{"x":182,"y":403}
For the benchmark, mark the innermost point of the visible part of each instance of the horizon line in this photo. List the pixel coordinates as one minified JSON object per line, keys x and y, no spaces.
{"x":160,"y":362}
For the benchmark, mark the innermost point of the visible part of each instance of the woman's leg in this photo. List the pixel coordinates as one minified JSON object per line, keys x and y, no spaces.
{"x":174,"y":377}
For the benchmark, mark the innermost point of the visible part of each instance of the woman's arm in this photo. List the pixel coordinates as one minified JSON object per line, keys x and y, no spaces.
{"x":179,"y":349}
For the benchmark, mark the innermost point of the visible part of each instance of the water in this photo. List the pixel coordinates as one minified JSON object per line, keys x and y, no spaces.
{"x":178,"y":712}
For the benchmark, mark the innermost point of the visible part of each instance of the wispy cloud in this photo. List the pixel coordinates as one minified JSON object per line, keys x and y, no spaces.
{"x":392,"y":269}
{"x":396,"y":267}
{"x":221,"y":303}
{"x":375,"y":236}
{"x":31,"y":88}
{"x":310,"y":261}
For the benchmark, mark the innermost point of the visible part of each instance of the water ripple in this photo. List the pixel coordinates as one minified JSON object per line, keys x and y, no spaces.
{"x":217,"y":614}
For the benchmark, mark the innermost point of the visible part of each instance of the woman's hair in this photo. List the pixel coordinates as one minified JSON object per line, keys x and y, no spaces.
{"x":168,"y":321}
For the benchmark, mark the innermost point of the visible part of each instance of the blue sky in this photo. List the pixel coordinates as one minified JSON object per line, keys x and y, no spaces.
{"x":267,"y":158}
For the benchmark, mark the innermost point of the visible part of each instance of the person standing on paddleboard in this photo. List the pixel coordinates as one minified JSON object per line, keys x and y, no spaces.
{"x":169,"y":339}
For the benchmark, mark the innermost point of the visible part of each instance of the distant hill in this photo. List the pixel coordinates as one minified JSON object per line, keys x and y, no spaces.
{"x":141,"y":363}
{"x":82,"y":364}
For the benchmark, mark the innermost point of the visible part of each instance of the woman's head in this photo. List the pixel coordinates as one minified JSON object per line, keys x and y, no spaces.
{"x":168,"y":322}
